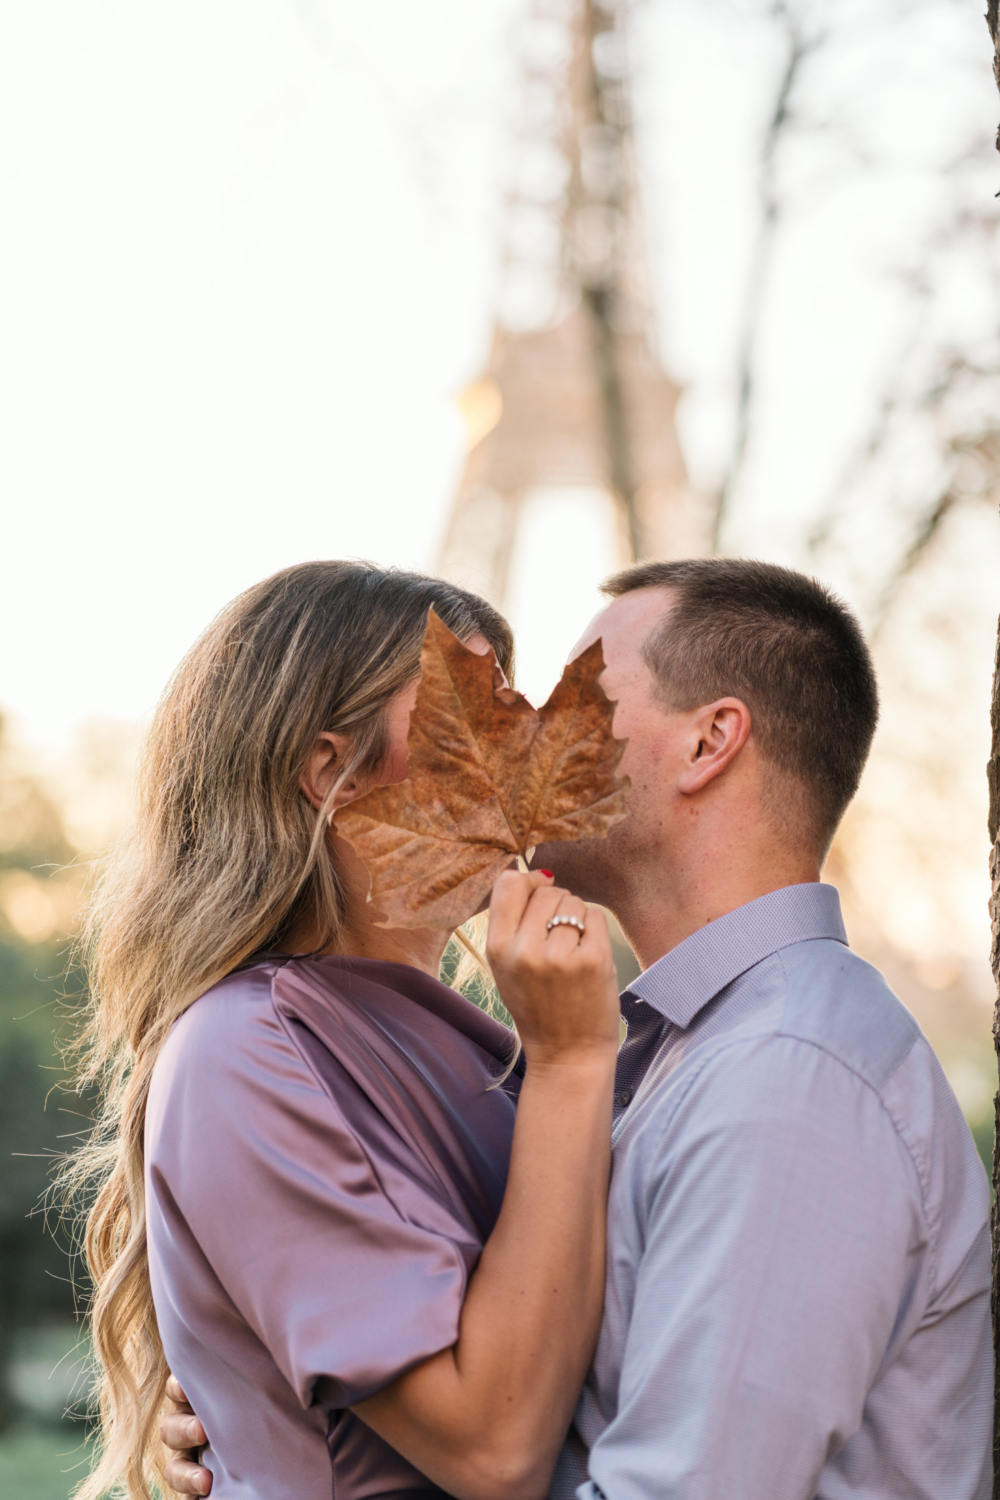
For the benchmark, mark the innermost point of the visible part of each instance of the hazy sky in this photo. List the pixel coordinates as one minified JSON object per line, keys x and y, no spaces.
{"x":249,"y":258}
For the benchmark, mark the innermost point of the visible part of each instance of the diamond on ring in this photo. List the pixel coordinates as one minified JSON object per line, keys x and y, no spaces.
{"x":564,"y":921}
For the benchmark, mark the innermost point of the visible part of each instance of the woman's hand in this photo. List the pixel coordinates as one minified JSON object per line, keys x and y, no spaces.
{"x":557,"y":982}
{"x":183,"y":1434}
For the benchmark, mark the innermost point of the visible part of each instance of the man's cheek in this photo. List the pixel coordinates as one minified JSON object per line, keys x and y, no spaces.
{"x":648,"y":758}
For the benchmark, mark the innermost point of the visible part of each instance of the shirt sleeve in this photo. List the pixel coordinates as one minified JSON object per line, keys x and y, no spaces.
{"x":780,"y":1223}
{"x":342,"y":1284}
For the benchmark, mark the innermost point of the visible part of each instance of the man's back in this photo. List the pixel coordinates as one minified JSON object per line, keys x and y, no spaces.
{"x":798,"y":1280}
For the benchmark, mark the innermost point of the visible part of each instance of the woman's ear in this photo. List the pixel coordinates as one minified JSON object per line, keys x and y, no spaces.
{"x":719,"y":732}
{"x":323,"y":766}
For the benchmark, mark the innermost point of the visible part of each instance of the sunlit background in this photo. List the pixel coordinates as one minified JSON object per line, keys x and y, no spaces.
{"x":251,"y":258}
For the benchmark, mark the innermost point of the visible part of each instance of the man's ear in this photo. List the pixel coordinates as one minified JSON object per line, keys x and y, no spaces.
{"x":322,"y":767}
{"x":718,"y":733}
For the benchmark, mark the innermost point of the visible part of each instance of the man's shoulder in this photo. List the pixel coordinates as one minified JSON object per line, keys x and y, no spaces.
{"x":841,"y":1005}
{"x":838,"y":1002}
{"x":811,"y":1029}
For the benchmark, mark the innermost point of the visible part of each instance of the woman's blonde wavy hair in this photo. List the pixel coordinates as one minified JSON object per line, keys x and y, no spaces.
{"x":225,"y":856}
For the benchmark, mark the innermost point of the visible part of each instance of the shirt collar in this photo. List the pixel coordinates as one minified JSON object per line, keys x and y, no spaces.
{"x":683,"y":981}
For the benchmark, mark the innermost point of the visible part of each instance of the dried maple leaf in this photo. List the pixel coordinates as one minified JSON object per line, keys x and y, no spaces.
{"x":489,"y":777}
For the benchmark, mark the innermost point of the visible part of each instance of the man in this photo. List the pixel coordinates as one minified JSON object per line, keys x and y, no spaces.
{"x":797,"y":1301}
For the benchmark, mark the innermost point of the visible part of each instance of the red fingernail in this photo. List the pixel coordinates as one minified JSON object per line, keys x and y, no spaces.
{"x":548,"y":873}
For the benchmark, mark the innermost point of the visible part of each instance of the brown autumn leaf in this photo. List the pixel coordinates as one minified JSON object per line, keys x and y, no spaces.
{"x":489,"y":777}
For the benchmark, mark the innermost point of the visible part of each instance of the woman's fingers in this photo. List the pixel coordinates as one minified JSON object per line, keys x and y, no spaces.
{"x":568,"y":921}
{"x":552,"y":924}
{"x":557,"y":982}
{"x":508,"y":903}
{"x":181,"y":1431}
{"x":175,"y":1393}
{"x":188,"y":1478}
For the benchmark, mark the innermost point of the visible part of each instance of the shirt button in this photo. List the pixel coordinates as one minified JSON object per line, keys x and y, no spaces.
{"x":623,"y":1099}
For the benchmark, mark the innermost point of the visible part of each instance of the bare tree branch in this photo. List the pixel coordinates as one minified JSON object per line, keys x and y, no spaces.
{"x":798,"y":48}
{"x":927,"y":529}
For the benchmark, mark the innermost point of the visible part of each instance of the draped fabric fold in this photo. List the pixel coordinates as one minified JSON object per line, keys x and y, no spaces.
{"x":327,"y":1143}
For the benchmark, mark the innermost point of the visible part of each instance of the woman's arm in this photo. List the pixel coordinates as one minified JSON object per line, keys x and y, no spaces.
{"x":485,"y":1418}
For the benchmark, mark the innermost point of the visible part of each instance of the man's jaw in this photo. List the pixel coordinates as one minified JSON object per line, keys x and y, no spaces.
{"x":581,"y":865}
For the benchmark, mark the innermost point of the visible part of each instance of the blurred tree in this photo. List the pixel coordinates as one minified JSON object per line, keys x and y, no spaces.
{"x":993,"y":774}
{"x":907,"y":525}
{"x":38,"y":890}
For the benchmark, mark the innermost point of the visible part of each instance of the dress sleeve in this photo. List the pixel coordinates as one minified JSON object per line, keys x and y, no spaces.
{"x":343,"y":1286}
{"x":779,"y":1226}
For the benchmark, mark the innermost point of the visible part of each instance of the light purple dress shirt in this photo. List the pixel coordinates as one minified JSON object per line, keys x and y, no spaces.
{"x":326,"y":1154}
{"x":798,"y":1281}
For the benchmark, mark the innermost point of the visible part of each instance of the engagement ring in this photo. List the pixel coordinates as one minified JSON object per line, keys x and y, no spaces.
{"x":565,"y":922}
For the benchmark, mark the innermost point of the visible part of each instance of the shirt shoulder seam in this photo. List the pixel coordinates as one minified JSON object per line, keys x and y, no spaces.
{"x":897,"y":1126}
{"x":744,"y":1041}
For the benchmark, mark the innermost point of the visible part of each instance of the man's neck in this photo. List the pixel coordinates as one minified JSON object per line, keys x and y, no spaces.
{"x":658,"y":910}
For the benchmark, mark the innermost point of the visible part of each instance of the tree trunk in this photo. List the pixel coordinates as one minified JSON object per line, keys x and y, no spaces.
{"x":993,"y":777}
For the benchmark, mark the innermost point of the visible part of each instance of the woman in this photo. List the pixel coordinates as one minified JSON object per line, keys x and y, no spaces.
{"x":317,"y":1206}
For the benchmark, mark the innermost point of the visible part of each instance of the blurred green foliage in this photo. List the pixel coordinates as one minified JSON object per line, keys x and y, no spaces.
{"x":982,"y":1134}
{"x":37,"y":1118}
{"x":39,"y":1463}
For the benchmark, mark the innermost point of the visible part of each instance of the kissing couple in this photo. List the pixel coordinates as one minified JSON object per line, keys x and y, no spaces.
{"x":388,"y":1253}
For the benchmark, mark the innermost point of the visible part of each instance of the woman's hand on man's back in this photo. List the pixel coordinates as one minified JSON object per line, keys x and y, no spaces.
{"x":183,"y":1434}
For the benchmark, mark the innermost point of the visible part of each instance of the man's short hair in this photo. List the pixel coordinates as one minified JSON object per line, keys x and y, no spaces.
{"x":785,"y":646}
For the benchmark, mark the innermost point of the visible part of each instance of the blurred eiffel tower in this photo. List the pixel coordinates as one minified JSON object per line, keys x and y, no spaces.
{"x":574,"y":398}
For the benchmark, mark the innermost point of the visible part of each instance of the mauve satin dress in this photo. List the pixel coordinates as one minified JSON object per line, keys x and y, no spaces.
{"x":325,"y":1158}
